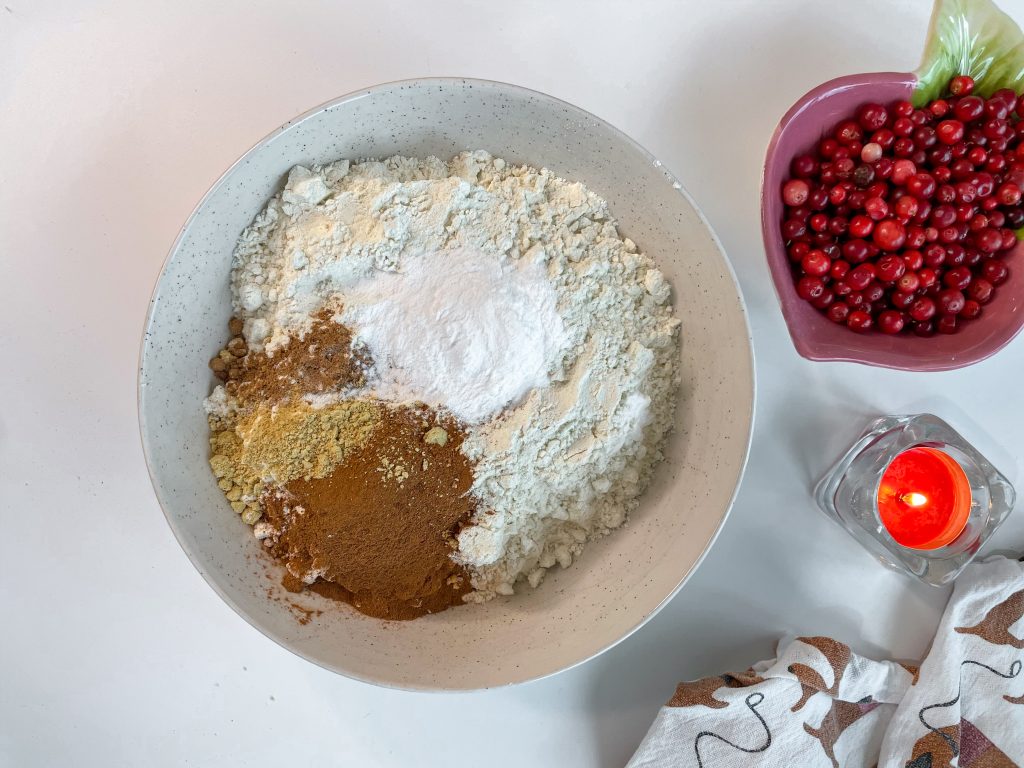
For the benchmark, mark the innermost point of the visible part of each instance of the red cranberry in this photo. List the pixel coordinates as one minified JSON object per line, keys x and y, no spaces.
{"x":876,"y":208}
{"x":988,"y":240}
{"x":903,"y":170}
{"x":969,"y":109}
{"x":903,"y":147}
{"x":874,"y":292}
{"x":824,"y":300}
{"x":890,"y":268}
{"x":890,"y":321}
{"x":934,"y":256}
{"x":838,"y":312}
{"x":860,"y":277}
{"x":809,"y":287}
{"x":861,"y":226}
{"x":872,"y":117}
{"x":939,"y":107}
{"x":804,"y":166}
{"x":848,"y":132}
{"x":981,"y":290}
{"x":889,"y":235}
{"x":948,"y":324}
{"x":961,"y":85}
{"x":913,"y":260}
{"x":920,"y":185}
{"x":901,"y":299}
{"x":1009,"y":239}
{"x":793,"y":229}
{"x":950,"y":301}
{"x":909,"y":283}
{"x":971,"y":310}
{"x":923,"y":329}
{"x":796,"y":192}
{"x":923,"y":309}
{"x":927,"y":278}
{"x":838,"y":269}
{"x":856,"y":251}
{"x":816,"y":263}
{"x":957,"y":277}
{"x":950,"y":131}
{"x":994,"y":271}
{"x":859,"y":321}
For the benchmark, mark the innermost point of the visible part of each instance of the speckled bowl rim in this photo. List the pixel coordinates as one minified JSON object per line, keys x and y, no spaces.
{"x":477,"y":83}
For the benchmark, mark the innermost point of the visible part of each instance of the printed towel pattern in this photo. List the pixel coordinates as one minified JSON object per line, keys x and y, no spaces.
{"x":820,"y":705}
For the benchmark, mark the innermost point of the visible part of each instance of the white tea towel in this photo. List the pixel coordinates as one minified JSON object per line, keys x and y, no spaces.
{"x":821,"y":705}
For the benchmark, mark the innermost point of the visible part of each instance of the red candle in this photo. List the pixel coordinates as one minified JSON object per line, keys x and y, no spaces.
{"x":924,"y":498}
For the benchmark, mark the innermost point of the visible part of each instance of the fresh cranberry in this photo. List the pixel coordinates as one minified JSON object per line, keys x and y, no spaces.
{"x":934,"y":256}
{"x":903,"y":170}
{"x":848,"y":132}
{"x":876,"y":208}
{"x":796,"y":192}
{"x":809,"y":287}
{"x":793,"y":229}
{"x":838,"y":312}
{"x":861,"y":226}
{"x":971,"y":310}
{"x":920,"y":185}
{"x":950,"y":131}
{"x":903,"y":147}
{"x":874,"y":292}
{"x":913,"y":260}
{"x":950,"y":301}
{"x":856,"y":251}
{"x":889,"y":235}
{"x":923,"y":329}
{"x":939,"y":107}
{"x":890,"y":268}
{"x":1009,"y":239}
{"x":909,"y":282}
{"x":890,"y":321}
{"x":901,"y":299}
{"x":859,"y":321}
{"x":957,"y":277}
{"x":948,"y":324}
{"x":994,"y":271}
{"x":872,"y":117}
{"x":969,"y":109}
{"x":824,"y":300}
{"x":871,"y":152}
{"x":961,"y":85}
{"x":860,"y":277}
{"x":816,"y":263}
{"x":927,"y":277}
{"x":923,"y":309}
{"x":988,"y":240}
{"x":981,"y":290}
{"x":804,"y":166}
{"x":838,"y":269}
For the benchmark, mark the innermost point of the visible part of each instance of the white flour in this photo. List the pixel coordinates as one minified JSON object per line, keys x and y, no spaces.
{"x":504,"y":294}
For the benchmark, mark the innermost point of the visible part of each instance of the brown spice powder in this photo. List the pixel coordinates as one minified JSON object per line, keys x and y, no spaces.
{"x":379,"y":530}
{"x":322,"y":361}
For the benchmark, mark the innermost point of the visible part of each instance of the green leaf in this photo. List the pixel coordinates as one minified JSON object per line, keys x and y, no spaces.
{"x":970,"y":37}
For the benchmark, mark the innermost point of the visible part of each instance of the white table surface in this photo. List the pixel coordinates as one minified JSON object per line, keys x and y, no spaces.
{"x":116,"y":117}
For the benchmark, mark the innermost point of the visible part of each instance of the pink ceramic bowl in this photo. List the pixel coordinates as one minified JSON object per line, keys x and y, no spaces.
{"x":814,"y":335}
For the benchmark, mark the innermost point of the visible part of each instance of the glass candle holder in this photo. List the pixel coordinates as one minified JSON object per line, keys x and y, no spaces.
{"x":860,"y":493}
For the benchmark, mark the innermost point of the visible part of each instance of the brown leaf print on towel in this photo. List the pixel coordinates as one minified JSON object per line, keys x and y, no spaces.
{"x":913,"y":669}
{"x":995,"y":627}
{"x":701,"y":692}
{"x":838,"y":656}
{"x":973,"y":749}
{"x":840,"y":716}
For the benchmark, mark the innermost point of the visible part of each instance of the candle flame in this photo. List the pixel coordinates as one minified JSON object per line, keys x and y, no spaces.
{"x":914,"y":499}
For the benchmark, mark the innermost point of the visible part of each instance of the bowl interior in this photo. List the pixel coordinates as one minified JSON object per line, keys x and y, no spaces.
{"x":619,"y":581}
{"x":816,"y":337}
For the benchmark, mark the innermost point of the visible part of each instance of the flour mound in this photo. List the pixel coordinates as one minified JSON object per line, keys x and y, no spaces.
{"x":504,"y":295}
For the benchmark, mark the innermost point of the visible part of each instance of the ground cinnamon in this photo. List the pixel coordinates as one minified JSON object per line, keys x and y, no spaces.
{"x":360,"y":499}
{"x":378,"y":531}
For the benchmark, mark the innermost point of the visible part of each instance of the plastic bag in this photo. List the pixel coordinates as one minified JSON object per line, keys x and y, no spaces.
{"x":970,"y":37}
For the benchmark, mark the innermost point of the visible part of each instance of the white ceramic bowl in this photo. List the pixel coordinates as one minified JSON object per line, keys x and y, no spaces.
{"x":620,"y":581}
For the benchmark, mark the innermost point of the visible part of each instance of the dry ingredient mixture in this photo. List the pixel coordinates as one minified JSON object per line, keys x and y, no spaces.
{"x":444,"y":379}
